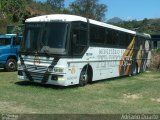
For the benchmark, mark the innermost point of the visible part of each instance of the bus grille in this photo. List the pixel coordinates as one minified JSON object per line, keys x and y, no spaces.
{"x":36,"y":72}
{"x":37,"y":76}
{"x":34,"y":68}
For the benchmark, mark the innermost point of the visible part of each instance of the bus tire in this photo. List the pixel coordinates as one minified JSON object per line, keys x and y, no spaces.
{"x":11,"y":65}
{"x":83,"y":80}
{"x":135,"y":70}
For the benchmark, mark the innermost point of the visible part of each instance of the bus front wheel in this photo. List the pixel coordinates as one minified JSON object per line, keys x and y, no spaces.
{"x":83,"y":80}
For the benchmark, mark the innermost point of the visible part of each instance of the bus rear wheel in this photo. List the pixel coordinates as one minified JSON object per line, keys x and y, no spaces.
{"x":11,"y":65}
{"x":135,"y":70}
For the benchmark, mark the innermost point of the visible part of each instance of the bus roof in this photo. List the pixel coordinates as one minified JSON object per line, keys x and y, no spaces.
{"x":56,"y":17}
{"x":71,"y":18}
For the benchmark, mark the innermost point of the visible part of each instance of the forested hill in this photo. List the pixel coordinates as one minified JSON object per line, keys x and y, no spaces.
{"x":150,"y":26}
{"x":14,"y":12}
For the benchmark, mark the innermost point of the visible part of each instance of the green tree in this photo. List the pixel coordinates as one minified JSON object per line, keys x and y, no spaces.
{"x":0,"y":5}
{"x":89,"y":8}
{"x":14,"y":9}
{"x":57,"y":5}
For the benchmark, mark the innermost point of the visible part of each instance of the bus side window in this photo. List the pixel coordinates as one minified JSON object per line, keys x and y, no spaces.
{"x":122,"y":39}
{"x":139,"y":42}
{"x":79,"y":40}
{"x":97,"y":35}
{"x":143,"y":43}
{"x":106,"y":37}
{"x":113,"y":37}
{"x":136,"y":43}
{"x":109,"y":36}
{"x":128,"y":40}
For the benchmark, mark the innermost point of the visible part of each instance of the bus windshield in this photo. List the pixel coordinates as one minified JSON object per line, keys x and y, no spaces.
{"x":48,"y":37}
{"x":5,"y":41}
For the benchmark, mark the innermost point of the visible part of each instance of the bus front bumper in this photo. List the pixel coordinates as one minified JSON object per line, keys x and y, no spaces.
{"x":54,"y":79}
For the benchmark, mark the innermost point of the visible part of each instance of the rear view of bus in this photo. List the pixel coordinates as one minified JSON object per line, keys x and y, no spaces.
{"x":67,"y":50}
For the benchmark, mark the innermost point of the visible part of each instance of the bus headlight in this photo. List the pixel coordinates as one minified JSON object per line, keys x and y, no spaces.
{"x":50,"y":69}
{"x":59,"y":70}
{"x":56,"y":70}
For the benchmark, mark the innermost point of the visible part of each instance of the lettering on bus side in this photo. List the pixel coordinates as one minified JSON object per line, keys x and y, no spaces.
{"x":113,"y":61}
{"x":106,"y":64}
{"x":110,"y":51}
{"x":109,"y":57}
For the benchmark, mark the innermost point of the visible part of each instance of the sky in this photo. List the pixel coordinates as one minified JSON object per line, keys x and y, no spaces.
{"x":129,"y":9}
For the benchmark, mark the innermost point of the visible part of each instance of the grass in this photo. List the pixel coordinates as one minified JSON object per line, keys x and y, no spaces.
{"x":136,"y":94}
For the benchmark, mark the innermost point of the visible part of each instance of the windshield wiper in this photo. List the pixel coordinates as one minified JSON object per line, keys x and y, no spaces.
{"x":46,"y":53}
{"x":44,"y":49}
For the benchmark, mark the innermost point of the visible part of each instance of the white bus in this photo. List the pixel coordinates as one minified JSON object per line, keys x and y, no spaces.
{"x":66,"y":50}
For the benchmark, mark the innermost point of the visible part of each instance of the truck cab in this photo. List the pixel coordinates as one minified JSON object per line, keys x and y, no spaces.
{"x":9,"y":49}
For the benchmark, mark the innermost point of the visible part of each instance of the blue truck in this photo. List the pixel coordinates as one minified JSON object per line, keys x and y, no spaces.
{"x":9,"y":49}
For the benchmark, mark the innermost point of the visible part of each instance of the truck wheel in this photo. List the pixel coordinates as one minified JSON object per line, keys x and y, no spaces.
{"x":11,"y":65}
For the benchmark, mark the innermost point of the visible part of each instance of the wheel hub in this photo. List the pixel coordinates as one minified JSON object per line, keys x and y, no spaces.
{"x":11,"y":65}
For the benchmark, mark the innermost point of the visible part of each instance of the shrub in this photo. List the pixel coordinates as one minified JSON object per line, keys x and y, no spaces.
{"x":155,"y":60}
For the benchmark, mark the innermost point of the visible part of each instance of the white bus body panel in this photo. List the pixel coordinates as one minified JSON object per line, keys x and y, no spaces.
{"x":104,"y":62}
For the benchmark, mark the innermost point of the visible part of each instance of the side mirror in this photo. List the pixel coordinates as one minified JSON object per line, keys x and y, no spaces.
{"x":74,"y":38}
